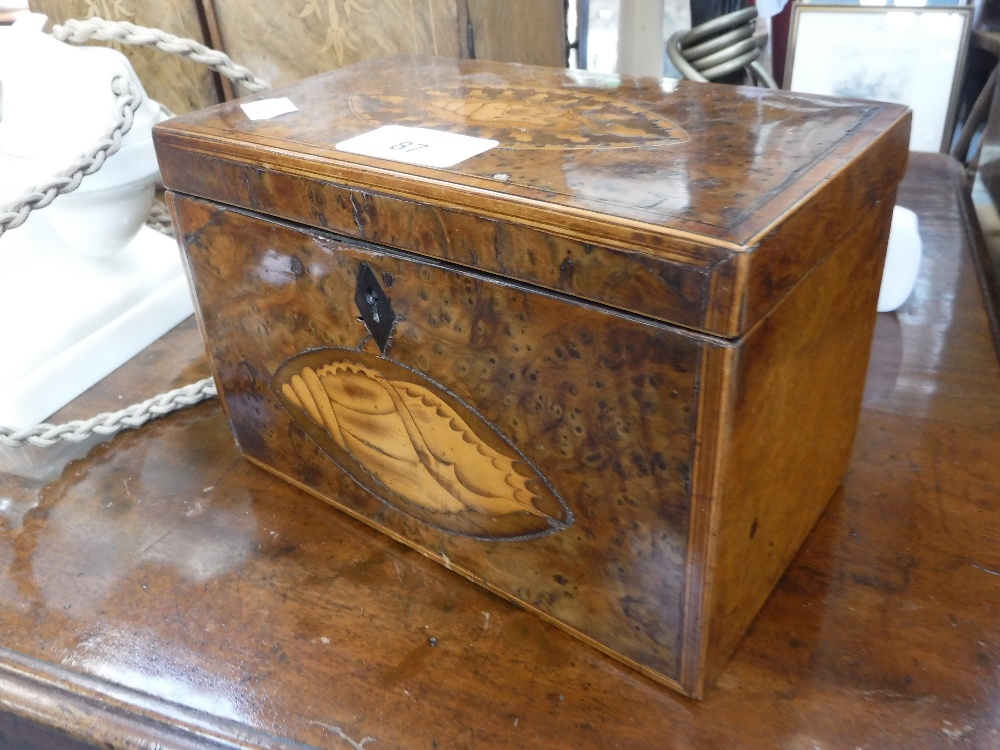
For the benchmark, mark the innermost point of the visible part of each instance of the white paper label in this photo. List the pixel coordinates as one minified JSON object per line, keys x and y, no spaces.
{"x":265,"y":109}
{"x":420,"y":146}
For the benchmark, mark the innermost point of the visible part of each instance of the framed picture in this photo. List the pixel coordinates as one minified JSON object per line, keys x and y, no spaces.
{"x":890,"y":3}
{"x":912,"y":56}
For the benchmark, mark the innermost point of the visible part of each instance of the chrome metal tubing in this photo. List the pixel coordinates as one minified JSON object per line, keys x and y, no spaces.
{"x":719,"y":47}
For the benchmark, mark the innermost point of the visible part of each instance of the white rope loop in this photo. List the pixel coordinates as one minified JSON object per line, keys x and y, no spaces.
{"x":15,"y":213}
{"x":109,"y":423}
{"x":78,"y":31}
{"x":159,"y":219}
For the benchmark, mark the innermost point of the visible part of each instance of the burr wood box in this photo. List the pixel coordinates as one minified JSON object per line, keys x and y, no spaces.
{"x":608,"y":363}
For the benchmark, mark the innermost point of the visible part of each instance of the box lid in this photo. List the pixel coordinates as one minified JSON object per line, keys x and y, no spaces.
{"x":696,"y":204}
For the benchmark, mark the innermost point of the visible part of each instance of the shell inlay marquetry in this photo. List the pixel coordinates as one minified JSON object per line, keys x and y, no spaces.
{"x":417,"y":447}
{"x":523,"y":117}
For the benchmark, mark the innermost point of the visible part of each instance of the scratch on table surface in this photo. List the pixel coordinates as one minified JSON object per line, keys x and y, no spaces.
{"x":882,"y":694}
{"x":343,"y":735}
{"x":956,"y":734}
{"x":153,"y":543}
{"x":985,"y":570}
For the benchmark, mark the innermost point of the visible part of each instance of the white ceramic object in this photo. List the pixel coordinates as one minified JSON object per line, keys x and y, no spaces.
{"x":84,"y":286}
{"x":67,"y":319}
{"x":902,"y":260}
{"x":57,"y":103}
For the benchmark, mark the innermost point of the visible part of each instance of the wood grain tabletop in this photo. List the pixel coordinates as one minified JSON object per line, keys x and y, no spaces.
{"x":156,"y":590}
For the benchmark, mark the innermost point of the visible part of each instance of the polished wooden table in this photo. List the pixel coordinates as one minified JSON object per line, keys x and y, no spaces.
{"x":158,"y":591}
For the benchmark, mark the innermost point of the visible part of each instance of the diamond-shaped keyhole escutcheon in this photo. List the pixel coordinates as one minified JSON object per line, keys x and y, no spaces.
{"x":374,"y":306}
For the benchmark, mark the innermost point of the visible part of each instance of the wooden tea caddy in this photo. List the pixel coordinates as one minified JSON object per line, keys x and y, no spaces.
{"x":610,"y":368}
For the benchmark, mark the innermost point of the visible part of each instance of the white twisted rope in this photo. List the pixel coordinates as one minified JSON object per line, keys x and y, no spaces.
{"x":109,"y":423}
{"x":159,"y":219}
{"x":15,"y":213}
{"x":77,"y":31}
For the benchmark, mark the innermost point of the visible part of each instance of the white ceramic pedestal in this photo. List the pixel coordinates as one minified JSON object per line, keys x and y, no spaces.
{"x":67,"y":320}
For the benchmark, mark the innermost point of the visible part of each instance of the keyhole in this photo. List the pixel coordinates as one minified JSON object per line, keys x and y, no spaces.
{"x":375,"y":308}
{"x":372,"y":299}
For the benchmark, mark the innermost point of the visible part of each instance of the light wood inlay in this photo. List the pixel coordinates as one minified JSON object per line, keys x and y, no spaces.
{"x":404,"y":442}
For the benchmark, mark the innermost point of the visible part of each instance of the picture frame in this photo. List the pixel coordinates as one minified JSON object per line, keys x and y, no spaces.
{"x":908,"y":4}
{"x":907,"y":55}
